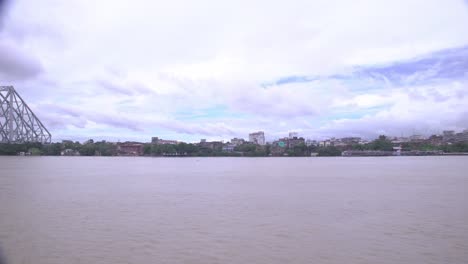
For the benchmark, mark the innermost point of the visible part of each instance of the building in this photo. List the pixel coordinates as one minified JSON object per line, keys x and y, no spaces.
{"x":338,"y":143}
{"x":369,"y":153}
{"x":130,"y":149}
{"x":293,"y":135}
{"x":350,"y":140}
{"x":292,"y":142}
{"x":229,"y":147}
{"x":436,"y":140}
{"x":448,"y":135}
{"x":416,"y":138}
{"x":399,"y":140}
{"x":462,"y":136}
{"x":70,"y":152}
{"x":279,"y":147}
{"x":465,"y":134}
{"x":257,"y":138}
{"x":158,"y":141}
{"x":214,"y":145}
{"x":310,"y":142}
{"x":325,"y":143}
{"x":237,"y":141}
{"x":364,"y":142}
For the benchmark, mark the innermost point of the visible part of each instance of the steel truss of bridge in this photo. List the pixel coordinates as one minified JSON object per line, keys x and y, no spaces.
{"x":18,"y":123}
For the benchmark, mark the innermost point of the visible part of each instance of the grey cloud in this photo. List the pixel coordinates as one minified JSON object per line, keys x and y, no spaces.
{"x":54,"y":121}
{"x":463,"y":120}
{"x":115,"y":88}
{"x":208,"y":129}
{"x":447,"y":64}
{"x":140,"y":88}
{"x":125,"y":89}
{"x":274,"y":107}
{"x":22,"y":32}
{"x":16,"y":65}
{"x":372,"y":126}
{"x":58,"y":116}
{"x":3,"y":9}
{"x":116,"y":121}
{"x":22,"y":27}
{"x":61,"y":110}
{"x":439,"y":97}
{"x":461,"y":94}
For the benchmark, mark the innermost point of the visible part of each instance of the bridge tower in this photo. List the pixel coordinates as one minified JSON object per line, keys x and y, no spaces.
{"x":18,"y":123}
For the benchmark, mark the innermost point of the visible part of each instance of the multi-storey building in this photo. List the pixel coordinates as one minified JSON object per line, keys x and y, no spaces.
{"x":435,"y":140}
{"x":237,"y":141}
{"x":462,"y":136}
{"x":292,"y":142}
{"x":130,"y":149}
{"x":214,"y":145}
{"x":229,"y":147}
{"x":293,"y":135}
{"x":158,"y":141}
{"x":310,"y":142}
{"x":417,"y":138}
{"x":350,"y":140}
{"x":257,"y":138}
{"x":448,"y":135}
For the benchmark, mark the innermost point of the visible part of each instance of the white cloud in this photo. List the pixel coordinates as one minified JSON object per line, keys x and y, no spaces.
{"x":422,"y":110}
{"x":126,"y":66}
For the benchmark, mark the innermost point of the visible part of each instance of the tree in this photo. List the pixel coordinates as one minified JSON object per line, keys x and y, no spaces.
{"x":35,"y":151}
{"x":147,"y":149}
{"x":52,"y":149}
{"x":105,"y":149}
{"x":88,"y":149}
{"x":382,"y":143}
{"x":298,"y":150}
{"x":329,"y":151}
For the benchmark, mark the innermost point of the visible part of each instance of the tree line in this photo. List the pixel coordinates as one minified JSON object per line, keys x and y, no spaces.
{"x":103,"y":148}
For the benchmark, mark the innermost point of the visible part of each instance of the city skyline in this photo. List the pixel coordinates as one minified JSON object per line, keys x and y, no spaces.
{"x":103,"y":71}
{"x":252,"y":138}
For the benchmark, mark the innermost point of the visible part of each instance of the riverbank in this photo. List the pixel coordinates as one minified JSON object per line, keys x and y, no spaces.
{"x":379,"y":147}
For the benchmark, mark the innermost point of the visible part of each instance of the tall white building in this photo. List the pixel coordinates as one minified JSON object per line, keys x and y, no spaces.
{"x":293,"y":135}
{"x":237,"y":141}
{"x":257,"y":138}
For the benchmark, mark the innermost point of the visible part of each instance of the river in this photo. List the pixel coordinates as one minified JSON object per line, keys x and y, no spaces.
{"x":233,"y":210}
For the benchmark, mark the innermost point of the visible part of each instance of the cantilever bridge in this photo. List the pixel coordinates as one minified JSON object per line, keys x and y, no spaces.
{"x":18,"y":123}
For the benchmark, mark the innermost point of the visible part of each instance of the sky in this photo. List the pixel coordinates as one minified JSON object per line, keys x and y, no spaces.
{"x":121,"y":70}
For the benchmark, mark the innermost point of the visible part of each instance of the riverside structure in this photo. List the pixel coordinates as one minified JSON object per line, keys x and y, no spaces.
{"x":18,"y":123}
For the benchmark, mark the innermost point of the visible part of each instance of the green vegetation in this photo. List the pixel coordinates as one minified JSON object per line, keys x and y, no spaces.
{"x":329,"y":151}
{"x":103,"y":148}
{"x":14,"y":149}
{"x":253,"y":150}
{"x":381,"y":143}
{"x":35,"y":151}
{"x":299,"y":150}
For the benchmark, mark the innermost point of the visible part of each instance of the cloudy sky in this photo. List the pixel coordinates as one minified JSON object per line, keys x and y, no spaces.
{"x":179,"y":69}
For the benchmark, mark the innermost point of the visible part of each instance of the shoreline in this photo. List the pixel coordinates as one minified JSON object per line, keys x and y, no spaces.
{"x":174,"y":156}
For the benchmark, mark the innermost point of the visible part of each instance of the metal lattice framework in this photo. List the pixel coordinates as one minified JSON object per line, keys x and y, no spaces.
{"x":18,"y":124}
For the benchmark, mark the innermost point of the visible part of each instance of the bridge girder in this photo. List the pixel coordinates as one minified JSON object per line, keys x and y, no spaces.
{"x":18,"y":123}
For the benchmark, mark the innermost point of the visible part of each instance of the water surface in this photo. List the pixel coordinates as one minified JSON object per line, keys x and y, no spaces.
{"x":234,"y":210}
